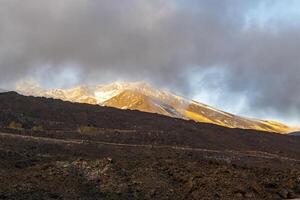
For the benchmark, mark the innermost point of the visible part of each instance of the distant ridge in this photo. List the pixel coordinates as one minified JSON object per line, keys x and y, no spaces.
{"x":2,"y":90}
{"x":295,"y":133}
{"x":143,"y":97}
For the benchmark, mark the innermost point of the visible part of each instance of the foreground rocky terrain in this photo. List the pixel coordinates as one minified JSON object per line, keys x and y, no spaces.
{"x":51,"y":149}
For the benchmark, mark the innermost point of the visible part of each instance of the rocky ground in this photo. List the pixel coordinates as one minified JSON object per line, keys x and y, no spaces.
{"x":51,"y":149}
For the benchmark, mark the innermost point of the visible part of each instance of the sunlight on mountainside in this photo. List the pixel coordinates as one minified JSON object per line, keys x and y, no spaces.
{"x":278,"y":126}
{"x":143,"y":97}
{"x":198,"y":117}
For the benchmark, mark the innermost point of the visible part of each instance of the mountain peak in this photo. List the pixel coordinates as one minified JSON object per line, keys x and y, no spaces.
{"x":127,"y":85}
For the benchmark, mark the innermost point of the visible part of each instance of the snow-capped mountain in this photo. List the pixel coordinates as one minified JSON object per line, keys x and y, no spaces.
{"x":141,"y":96}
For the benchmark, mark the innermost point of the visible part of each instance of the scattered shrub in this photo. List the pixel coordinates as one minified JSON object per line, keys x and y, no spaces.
{"x":15,"y":125}
{"x":37,"y":128}
{"x":88,"y":129}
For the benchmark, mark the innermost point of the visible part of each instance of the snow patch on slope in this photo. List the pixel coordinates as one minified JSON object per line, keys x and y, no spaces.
{"x":102,"y":96}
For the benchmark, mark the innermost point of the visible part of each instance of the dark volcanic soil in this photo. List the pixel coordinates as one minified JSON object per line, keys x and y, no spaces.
{"x":50,"y":149}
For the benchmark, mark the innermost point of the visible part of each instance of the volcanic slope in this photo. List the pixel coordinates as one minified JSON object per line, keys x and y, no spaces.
{"x":141,"y":96}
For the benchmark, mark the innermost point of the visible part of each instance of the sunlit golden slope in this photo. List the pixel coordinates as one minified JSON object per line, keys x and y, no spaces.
{"x":190,"y":110}
{"x":134,"y":100}
{"x":140,"y":96}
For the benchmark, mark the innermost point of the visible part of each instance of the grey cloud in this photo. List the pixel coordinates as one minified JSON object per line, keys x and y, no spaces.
{"x":158,"y":40}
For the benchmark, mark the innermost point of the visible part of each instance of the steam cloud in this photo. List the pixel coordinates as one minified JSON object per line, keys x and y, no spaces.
{"x":161,"y":41}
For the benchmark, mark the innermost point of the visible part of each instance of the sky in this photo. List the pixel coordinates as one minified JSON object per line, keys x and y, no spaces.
{"x":237,"y":55}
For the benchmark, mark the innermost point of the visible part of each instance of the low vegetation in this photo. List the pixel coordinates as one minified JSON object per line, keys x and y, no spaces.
{"x":15,"y":125}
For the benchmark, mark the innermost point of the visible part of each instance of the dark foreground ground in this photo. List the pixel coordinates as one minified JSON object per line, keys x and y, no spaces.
{"x":50,"y":149}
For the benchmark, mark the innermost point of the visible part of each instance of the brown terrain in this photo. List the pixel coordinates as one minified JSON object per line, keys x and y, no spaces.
{"x":51,"y":149}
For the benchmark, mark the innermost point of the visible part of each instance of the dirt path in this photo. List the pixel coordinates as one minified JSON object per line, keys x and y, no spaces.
{"x":255,"y":154}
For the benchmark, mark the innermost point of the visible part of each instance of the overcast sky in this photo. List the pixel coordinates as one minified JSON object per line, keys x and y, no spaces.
{"x":238,"y":55}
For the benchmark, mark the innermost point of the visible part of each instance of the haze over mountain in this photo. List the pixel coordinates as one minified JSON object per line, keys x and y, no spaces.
{"x":241,"y":55}
{"x":141,"y":96}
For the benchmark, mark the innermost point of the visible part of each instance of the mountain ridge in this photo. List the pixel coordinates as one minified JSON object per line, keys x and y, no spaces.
{"x":143,"y":97}
{"x":295,"y":133}
{"x":2,"y":90}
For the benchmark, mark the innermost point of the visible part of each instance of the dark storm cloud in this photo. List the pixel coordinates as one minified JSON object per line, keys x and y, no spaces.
{"x":158,"y":40}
